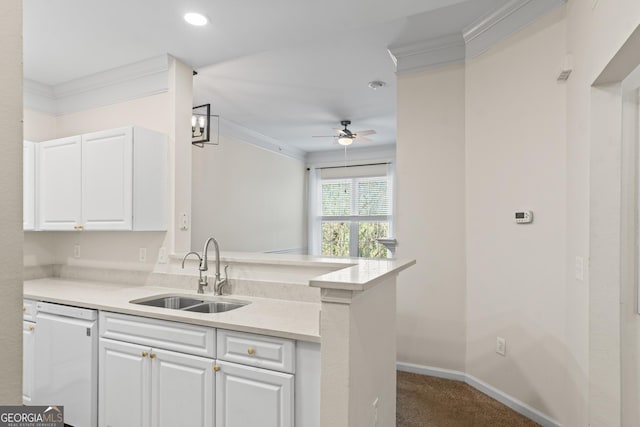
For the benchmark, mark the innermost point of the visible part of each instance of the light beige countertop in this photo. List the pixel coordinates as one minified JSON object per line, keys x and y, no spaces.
{"x":281,"y":318}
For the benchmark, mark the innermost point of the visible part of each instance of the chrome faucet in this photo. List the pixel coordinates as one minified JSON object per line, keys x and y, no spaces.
{"x":204,"y":266}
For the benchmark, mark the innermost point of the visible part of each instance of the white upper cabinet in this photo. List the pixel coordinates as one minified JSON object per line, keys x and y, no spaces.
{"x":29,"y":185}
{"x":119,"y":181}
{"x":59,"y":183}
{"x":107,"y":180}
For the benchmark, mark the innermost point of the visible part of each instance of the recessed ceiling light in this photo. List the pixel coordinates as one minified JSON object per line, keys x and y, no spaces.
{"x":196,"y":19}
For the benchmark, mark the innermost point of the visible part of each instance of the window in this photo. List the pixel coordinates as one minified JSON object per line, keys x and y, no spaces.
{"x":353,"y":210}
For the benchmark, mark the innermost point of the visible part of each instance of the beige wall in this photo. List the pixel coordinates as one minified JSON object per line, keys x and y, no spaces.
{"x":431,"y":218}
{"x":38,"y":126}
{"x":516,"y":160}
{"x":248,"y":198}
{"x":10,"y":194}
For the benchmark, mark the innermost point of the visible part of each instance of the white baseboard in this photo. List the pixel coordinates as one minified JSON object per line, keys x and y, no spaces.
{"x":431,"y":371}
{"x":509,"y":401}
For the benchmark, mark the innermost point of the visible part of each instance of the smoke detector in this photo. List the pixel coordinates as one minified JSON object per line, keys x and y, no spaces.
{"x":376,"y":84}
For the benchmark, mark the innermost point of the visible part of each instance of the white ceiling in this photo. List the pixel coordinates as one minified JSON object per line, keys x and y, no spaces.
{"x":287,"y":69}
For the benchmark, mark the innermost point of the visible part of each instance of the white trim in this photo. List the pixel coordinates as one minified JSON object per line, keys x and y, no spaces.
{"x":431,"y":371}
{"x":472,"y":41}
{"x":513,"y":403}
{"x":238,"y":132}
{"x":354,"y":155}
{"x":115,"y":76}
{"x":39,"y":97}
{"x":426,"y":54}
{"x":507,"y":400}
{"x":137,"y":80}
{"x":500,"y":24}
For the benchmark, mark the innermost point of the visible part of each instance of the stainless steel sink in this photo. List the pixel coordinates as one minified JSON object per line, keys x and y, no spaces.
{"x":215,"y":307}
{"x":173,"y":301}
{"x":185,"y":303}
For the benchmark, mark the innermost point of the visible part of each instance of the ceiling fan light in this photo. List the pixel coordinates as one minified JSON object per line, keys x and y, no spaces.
{"x":345,"y":140}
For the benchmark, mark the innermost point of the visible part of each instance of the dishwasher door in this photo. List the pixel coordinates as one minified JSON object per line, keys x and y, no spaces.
{"x":66,"y":362}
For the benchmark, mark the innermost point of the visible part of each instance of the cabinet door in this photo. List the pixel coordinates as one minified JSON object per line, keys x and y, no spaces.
{"x":29,"y":185}
{"x":182,"y":390}
{"x":107,"y":180}
{"x":248,"y":396}
{"x":28,"y":361}
{"x":124,"y":381}
{"x":58,"y":181}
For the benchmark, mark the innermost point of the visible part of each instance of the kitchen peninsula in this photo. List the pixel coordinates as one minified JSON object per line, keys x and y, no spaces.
{"x":335,"y":317}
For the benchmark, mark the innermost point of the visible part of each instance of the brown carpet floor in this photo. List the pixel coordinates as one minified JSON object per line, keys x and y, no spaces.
{"x":435,"y":402}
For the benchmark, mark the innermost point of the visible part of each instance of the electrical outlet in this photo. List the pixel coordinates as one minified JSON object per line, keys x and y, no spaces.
{"x":374,"y":408}
{"x":162,"y":255}
{"x":501,"y":346}
{"x":142,"y":255}
{"x":76,"y":251}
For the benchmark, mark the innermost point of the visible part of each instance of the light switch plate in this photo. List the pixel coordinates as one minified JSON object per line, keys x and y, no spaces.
{"x":142,"y":255}
{"x":501,"y":346}
{"x":579,"y":268}
{"x":184,"y":221}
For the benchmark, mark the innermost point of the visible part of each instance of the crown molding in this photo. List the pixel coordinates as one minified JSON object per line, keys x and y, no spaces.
{"x":426,"y":54}
{"x":39,"y":97}
{"x":336,"y":157}
{"x":503,"y":22}
{"x":477,"y":38}
{"x":143,"y":78}
{"x":238,"y":132}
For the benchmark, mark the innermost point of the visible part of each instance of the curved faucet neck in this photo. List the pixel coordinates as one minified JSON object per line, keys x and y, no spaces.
{"x":203,"y":264}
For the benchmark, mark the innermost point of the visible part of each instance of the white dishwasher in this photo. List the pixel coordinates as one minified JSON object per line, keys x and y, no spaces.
{"x":66,"y":362}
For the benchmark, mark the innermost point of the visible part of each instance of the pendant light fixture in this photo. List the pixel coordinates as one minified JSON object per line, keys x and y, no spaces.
{"x":201,"y":126}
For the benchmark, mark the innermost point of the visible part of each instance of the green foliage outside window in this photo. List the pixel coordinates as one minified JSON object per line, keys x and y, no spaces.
{"x":368,"y":246}
{"x":335,"y":239}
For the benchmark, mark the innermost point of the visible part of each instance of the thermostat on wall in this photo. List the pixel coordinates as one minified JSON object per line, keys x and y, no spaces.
{"x":523,"y":217}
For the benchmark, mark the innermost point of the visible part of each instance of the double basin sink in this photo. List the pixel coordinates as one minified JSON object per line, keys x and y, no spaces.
{"x":184,"y":303}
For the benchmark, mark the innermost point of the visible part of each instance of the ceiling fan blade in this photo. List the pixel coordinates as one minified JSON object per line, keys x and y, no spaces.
{"x":324,"y":136}
{"x":340,"y":131}
{"x":362,"y":139}
{"x":365,"y":132}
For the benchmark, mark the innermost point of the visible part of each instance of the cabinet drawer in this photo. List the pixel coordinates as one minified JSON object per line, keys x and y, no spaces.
{"x":29,"y":310}
{"x":182,"y":337}
{"x":273,"y":353}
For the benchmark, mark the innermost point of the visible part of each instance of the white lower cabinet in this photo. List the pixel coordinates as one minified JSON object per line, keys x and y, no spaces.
{"x":248,"y":396}
{"x":143,"y":386}
{"x":158,"y":373}
{"x":124,"y":385}
{"x":182,"y":390}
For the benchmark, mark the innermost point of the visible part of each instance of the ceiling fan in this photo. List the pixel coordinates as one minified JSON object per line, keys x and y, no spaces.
{"x":346,"y":137}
